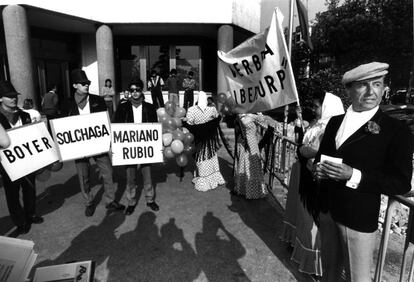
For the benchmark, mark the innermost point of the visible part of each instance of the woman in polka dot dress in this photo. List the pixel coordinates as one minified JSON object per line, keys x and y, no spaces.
{"x":248,"y":173}
{"x":203,"y":122}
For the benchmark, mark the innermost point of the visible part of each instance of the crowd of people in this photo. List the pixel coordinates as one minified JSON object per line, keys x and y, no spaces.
{"x":346,"y":160}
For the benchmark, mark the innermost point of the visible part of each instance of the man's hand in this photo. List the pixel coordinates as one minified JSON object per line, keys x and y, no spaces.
{"x":332,"y":171}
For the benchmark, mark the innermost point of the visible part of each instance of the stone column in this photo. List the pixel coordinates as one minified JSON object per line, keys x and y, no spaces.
{"x":17,"y":35}
{"x":224,"y":43}
{"x":105,"y":56}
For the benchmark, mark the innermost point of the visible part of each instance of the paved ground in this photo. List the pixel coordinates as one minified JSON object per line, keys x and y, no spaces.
{"x":195,"y":236}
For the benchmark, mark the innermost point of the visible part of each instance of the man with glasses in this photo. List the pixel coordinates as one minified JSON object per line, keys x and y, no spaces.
{"x":136,"y":110}
{"x":82,"y":104}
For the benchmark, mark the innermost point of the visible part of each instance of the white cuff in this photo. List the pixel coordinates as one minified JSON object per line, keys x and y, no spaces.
{"x":355,"y":179}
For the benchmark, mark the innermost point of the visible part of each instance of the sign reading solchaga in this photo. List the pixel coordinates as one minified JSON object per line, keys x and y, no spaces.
{"x":82,"y":136}
{"x":31,"y":149}
{"x":136,"y":143}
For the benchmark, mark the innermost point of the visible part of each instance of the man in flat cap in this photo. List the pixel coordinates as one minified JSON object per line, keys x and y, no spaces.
{"x":12,"y":116}
{"x":85,"y":103}
{"x":372,"y":156}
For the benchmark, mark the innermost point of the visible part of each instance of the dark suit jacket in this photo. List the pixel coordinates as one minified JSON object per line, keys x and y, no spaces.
{"x":25,"y":117}
{"x":96,"y":104}
{"x":124,"y":113}
{"x":385,"y":161}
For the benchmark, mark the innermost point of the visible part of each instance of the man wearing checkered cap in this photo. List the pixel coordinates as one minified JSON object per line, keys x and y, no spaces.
{"x":372,"y":156}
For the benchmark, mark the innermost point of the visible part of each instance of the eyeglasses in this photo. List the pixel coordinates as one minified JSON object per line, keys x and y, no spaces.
{"x":135,"y":89}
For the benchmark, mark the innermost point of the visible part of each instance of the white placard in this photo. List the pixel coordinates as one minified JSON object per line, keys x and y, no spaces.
{"x":31,"y":149}
{"x":136,"y":143}
{"x":82,"y":135}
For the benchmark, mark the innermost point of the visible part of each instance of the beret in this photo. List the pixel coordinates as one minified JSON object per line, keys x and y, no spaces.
{"x":365,"y":71}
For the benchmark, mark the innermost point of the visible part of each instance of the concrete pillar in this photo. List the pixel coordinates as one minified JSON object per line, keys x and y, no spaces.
{"x":224,"y":43}
{"x":105,"y":55}
{"x":17,"y":35}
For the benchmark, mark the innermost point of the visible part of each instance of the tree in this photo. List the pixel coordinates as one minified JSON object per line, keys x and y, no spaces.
{"x":360,"y":31}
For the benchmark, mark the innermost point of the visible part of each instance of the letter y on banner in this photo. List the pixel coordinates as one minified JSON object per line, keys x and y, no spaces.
{"x":258,"y":72}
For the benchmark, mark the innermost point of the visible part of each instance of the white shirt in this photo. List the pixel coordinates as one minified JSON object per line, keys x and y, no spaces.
{"x":35,"y":116}
{"x":86,"y":110}
{"x":350,"y":124}
{"x":18,"y":123}
{"x":137,"y":113}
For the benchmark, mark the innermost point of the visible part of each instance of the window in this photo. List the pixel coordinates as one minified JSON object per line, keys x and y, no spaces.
{"x":188,"y":59}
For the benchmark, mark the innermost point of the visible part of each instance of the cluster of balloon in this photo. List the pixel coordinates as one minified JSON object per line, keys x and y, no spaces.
{"x":226,"y":103}
{"x":176,"y":139}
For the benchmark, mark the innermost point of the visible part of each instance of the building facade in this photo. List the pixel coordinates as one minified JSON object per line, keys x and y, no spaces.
{"x":42,"y":41}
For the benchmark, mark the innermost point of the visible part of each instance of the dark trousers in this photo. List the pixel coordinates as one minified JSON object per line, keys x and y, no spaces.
{"x":157,"y":99}
{"x":188,"y":99}
{"x":18,"y":213}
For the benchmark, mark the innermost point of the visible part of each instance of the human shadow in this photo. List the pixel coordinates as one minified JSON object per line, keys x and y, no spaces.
{"x":96,"y":243}
{"x":218,"y":251}
{"x":144,"y":255}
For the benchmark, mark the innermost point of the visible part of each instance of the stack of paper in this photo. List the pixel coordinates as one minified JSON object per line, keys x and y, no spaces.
{"x":82,"y":271}
{"x":17,"y":258}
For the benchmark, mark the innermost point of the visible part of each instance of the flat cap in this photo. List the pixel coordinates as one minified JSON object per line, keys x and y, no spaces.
{"x":365,"y":71}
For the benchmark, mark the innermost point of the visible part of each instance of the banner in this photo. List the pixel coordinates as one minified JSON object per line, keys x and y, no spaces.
{"x":82,"y":136}
{"x":258,"y":71}
{"x":136,"y":143}
{"x":31,"y":149}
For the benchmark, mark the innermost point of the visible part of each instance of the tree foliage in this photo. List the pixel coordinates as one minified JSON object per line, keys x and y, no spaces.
{"x":361,"y":31}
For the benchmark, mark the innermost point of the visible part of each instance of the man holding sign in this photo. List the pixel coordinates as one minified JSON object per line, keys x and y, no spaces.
{"x":84,"y":103}
{"x":135,"y":110}
{"x":11,"y":116}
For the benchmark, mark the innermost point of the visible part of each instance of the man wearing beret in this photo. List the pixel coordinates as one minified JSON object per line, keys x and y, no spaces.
{"x":85,"y":103}
{"x":372,"y":156}
{"x":12,"y":116}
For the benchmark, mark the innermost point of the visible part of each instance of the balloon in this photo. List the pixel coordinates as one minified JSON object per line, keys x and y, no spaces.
{"x":222,"y":98}
{"x":178,"y":122}
{"x":178,"y":135}
{"x":231,"y":103}
{"x":167,"y":139}
{"x":185,"y":130}
{"x":189,"y":149}
{"x":168,"y":153}
{"x":167,"y":129}
{"x":188,"y":138}
{"x":162,"y":119}
{"x":179,"y":112}
{"x":181,"y":160}
{"x":169,"y":123}
{"x":170,"y":108}
{"x":161,"y":112}
{"x":177,"y":146}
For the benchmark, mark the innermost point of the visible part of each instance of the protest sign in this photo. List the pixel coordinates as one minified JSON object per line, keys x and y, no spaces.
{"x":136,"y":143}
{"x":82,"y":135}
{"x":258,"y":71}
{"x":31,"y":149}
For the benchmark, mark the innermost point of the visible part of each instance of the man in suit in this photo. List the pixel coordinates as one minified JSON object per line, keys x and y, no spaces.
{"x":12,"y":116}
{"x":374,"y":156}
{"x":85,"y":103}
{"x":136,"y":110}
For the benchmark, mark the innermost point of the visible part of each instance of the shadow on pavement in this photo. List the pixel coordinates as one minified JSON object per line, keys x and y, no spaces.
{"x":218,"y":251}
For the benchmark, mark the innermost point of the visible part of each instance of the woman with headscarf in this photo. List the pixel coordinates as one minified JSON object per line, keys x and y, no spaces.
{"x":248,"y":172}
{"x":203,"y":122}
{"x":300,"y":229}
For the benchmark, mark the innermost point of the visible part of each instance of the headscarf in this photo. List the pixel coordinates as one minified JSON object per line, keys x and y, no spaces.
{"x":202,"y":100}
{"x":331,"y":106}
